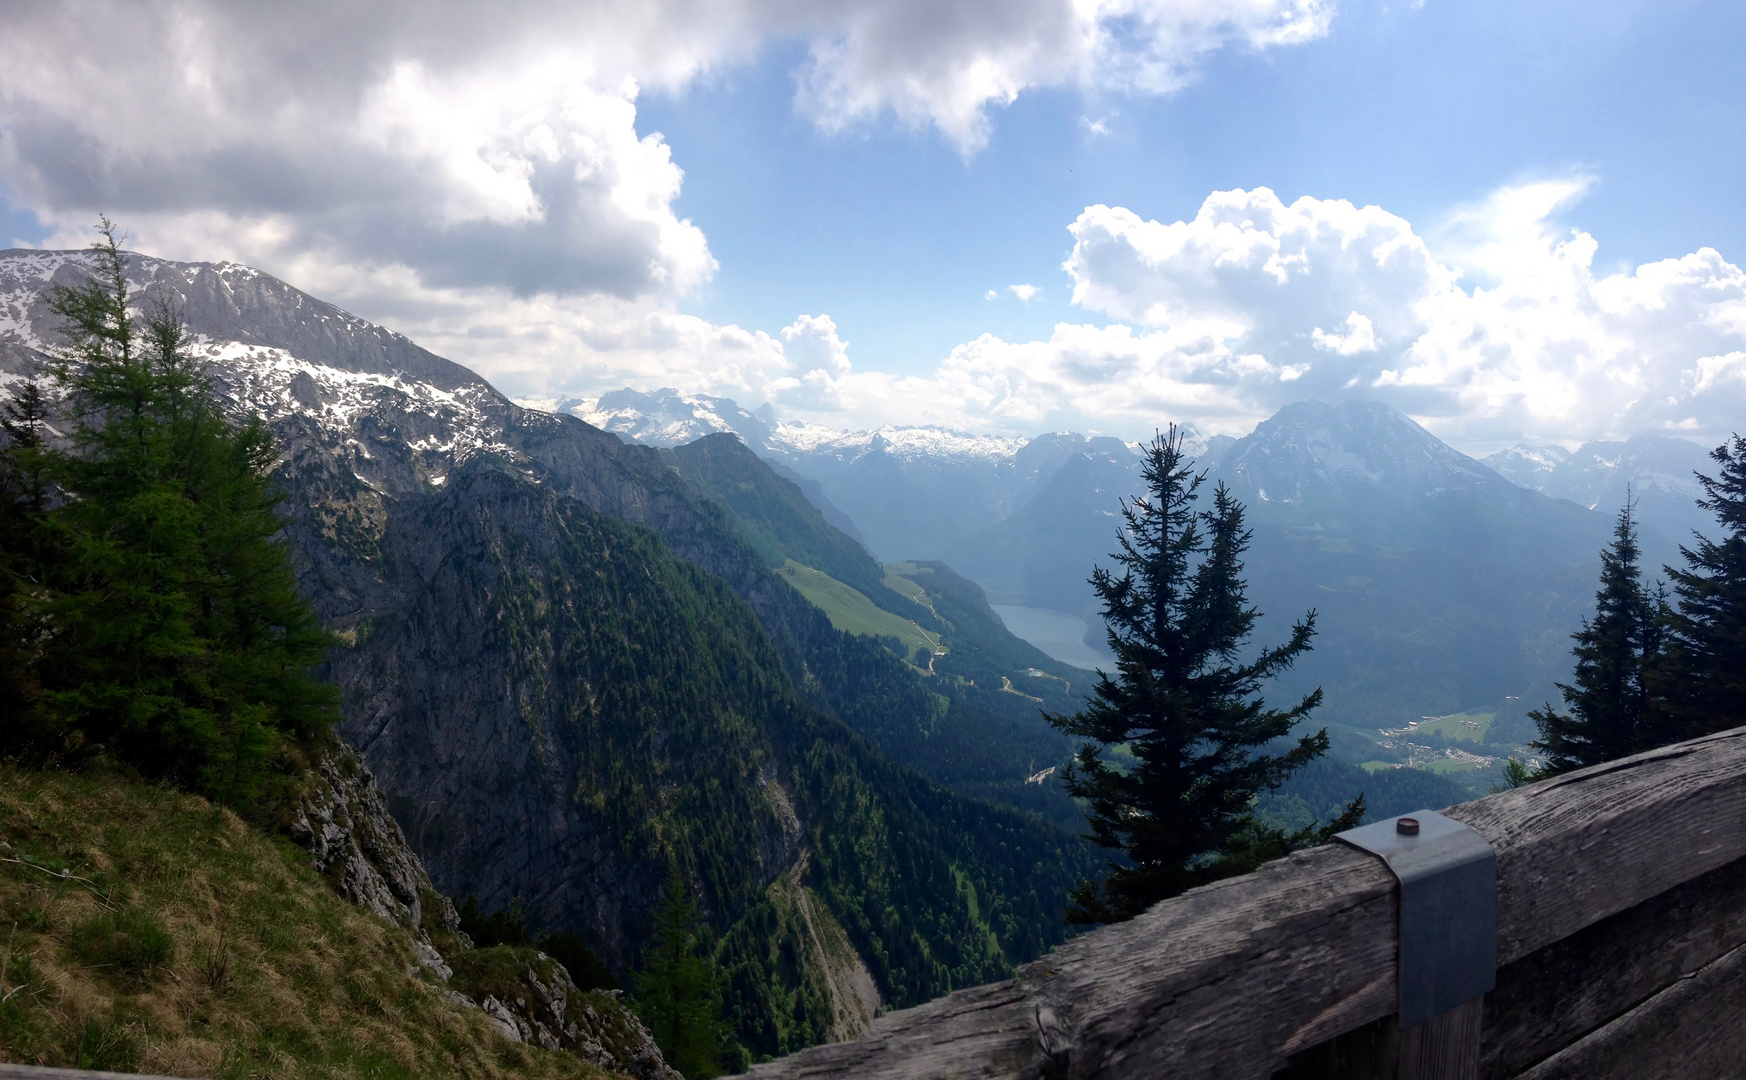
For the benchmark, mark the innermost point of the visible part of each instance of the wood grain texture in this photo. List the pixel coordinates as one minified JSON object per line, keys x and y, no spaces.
{"x":1693,"y":1030}
{"x":1233,"y":979}
{"x":1445,"y":1047}
{"x":1229,"y":976}
{"x":1555,"y":996}
{"x":1573,"y":850}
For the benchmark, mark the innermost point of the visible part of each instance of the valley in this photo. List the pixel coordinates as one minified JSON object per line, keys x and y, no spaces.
{"x":1442,"y":584}
{"x":808,"y":671}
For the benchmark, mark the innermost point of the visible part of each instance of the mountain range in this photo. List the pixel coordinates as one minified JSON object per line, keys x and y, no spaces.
{"x":1440,"y":581}
{"x":572,"y":670}
{"x":585,"y":643}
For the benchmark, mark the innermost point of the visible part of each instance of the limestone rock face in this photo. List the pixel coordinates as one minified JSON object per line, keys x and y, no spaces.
{"x":355,"y":841}
{"x":544,"y":1007}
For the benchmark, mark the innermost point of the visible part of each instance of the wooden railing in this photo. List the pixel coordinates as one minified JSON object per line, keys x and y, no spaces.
{"x":1621,"y":940}
{"x":1621,"y":945}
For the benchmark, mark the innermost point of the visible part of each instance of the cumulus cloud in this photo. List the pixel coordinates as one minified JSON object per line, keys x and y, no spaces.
{"x":1360,"y":337}
{"x":472,"y":174}
{"x":1221,"y":320}
{"x":944,"y":64}
{"x":1503,"y":331}
{"x":1025,"y":293}
{"x":495,"y":145}
{"x":441,"y":140}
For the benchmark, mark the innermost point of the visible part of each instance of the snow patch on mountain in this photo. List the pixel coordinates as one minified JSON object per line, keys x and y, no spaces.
{"x":901,"y":442}
{"x":276,"y":352}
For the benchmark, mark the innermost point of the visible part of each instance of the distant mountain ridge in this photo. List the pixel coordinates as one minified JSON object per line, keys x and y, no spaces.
{"x":1658,"y":471}
{"x":1441,"y":581}
{"x":908,"y":492}
{"x":568,"y":668}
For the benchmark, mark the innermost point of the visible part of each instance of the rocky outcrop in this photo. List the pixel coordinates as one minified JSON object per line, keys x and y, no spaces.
{"x":356,"y":844}
{"x":537,"y":1003}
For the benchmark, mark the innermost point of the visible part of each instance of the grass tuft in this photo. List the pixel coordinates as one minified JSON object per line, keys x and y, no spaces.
{"x":127,"y":944}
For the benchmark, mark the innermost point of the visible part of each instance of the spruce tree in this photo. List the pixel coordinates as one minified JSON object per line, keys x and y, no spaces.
{"x":1609,"y":701}
{"x":176,"y":640}
{"x":1702,"y":679}
{"x":23,"y":421}
{"x":24,"y":418}
{"x":1174,"y":757}
{"x":679,"y":994}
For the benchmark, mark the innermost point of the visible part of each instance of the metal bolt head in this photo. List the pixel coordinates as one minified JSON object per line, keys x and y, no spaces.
{"x":1407,"y":826}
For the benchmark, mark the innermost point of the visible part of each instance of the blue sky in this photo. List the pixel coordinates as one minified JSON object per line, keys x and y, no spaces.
{"x":809,"y":203}
{"x":1417,"y":109}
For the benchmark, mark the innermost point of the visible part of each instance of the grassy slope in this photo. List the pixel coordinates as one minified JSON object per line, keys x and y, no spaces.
{"x":1459,"y":727}
{"x":202,"y":947}
{"x":851,"y":611}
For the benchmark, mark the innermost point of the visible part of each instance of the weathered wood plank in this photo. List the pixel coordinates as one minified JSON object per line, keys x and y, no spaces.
{"x":1230,"y":974}
{"x":1553,"y":997}
{"x":1573,"y":850}
{"x":1445,"y":1047}
{"x":1693,"y":1030}
{"x":1229,"y":980}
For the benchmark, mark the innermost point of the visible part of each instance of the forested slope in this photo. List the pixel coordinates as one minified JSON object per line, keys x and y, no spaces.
{"x":569,"y":672}
{"x":970,"y":717}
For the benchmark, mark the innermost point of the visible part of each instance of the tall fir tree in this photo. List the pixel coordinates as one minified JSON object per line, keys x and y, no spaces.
{"x":175,"y":638}
{"x":1609,"y":700}
{"x":1701,"y":681}
{"x":1174,"y":758}
{"x":23,"y":422}
{"x":678,"y":995}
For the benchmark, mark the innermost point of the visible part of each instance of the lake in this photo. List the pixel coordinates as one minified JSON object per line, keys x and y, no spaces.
{"x":1057,"y":633}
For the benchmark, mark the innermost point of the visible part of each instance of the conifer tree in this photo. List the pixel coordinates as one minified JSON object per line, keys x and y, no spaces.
{"x":176,"y":638}
{"x":1702,"y":679}
{"x":679,"y":994}
{"x":23,"y":420}
{"x":1609,"y":703}
{"x":1182,"y":707}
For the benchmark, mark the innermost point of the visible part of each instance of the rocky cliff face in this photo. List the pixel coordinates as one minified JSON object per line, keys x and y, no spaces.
{"x":355,"y":842}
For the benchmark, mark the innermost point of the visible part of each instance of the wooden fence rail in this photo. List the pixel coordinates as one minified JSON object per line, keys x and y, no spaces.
{"x":1621,"y":952}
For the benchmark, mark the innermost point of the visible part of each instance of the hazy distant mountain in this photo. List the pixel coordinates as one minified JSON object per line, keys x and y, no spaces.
{"x":911,"y":492}
{"x":1365,"y":473}
{"x":1659,"y":471}
{"x":1437,"y":582}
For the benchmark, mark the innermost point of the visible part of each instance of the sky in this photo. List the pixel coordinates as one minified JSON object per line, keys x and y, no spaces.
{"x":1513,"y":221}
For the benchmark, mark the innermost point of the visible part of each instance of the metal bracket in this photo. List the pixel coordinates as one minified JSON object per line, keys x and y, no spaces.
{"x":1448,"y":909}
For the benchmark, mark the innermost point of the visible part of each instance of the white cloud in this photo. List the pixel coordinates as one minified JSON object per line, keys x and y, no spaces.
{"x":1360,"y":337}
{"x":342,"y":134}
{"x":944,"y":64}
{"x":1221,"y":320}
{"x":1225,"y":318}
{"x":1538,"y":346}
{"x":1025,"y":293}
{"x":472,"y":174}
{"x":495,"y":144}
